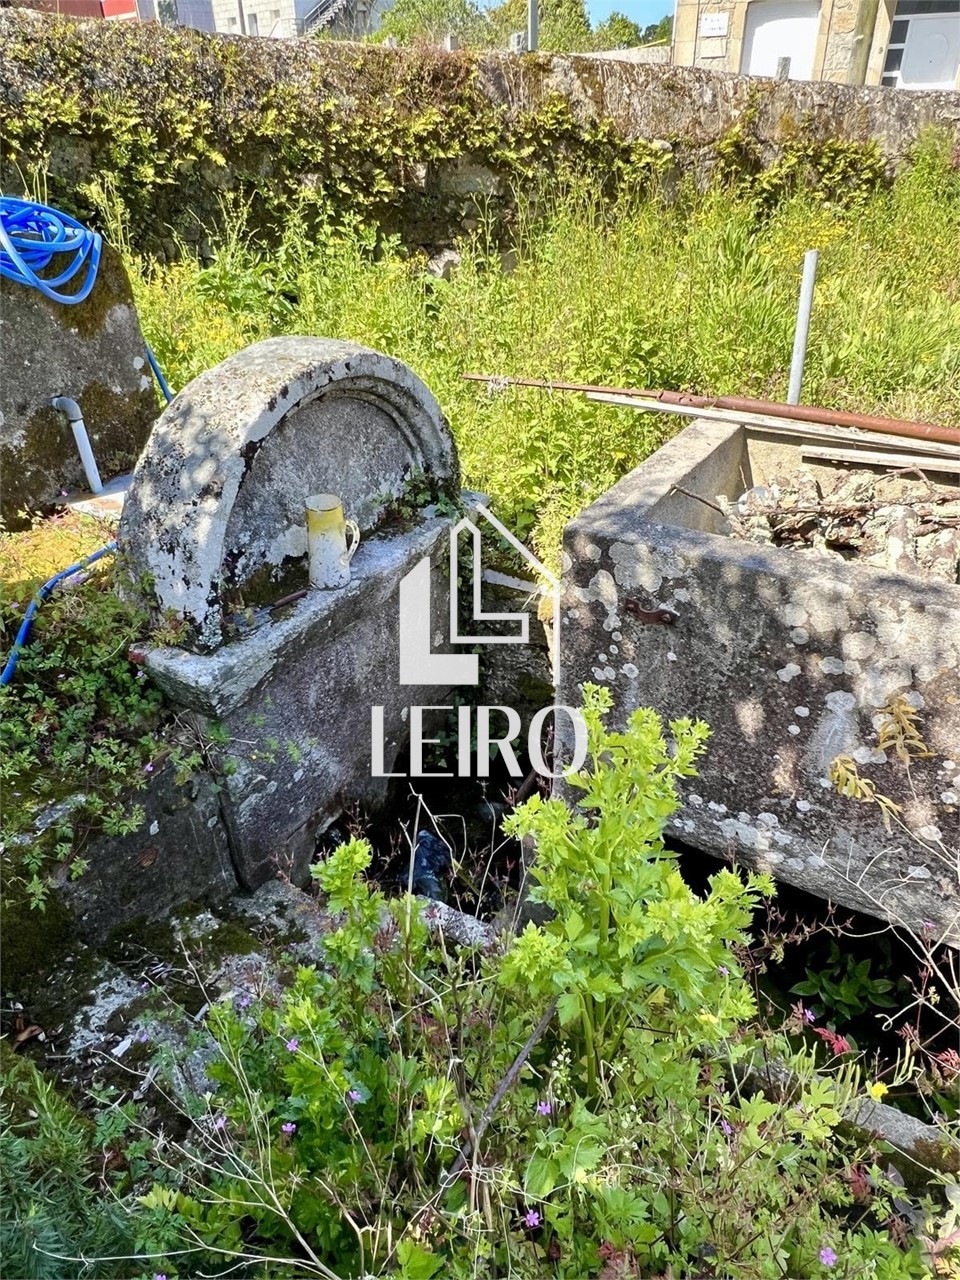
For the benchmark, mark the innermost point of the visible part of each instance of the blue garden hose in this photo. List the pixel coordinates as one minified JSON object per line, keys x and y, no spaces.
{"x":24,"y":633}
{"x":158,"y":374}
{"x":34,"y":237}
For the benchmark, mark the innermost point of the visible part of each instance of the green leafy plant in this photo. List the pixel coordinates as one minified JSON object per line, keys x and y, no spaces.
{"x":583,"y":1092}
{"x":843,"y":985}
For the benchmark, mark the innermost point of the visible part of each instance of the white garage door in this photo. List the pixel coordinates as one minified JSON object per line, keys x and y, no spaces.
{"x":780,"y":29}
{"x":932,"y":53}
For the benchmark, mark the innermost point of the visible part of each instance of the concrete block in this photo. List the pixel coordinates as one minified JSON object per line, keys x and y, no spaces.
{"x":789,"y":659}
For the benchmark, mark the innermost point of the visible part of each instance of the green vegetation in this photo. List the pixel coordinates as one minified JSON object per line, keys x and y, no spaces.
{"x":697,"y":293}
{"x":563,"y":1105}
{"x":79,"y":721}
{"x":60,"y":1191}
{"x":564,"y":25}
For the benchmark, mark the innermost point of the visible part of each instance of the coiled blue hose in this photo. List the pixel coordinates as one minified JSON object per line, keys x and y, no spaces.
{"x":24,"y":633}
{"x":34,"y":237}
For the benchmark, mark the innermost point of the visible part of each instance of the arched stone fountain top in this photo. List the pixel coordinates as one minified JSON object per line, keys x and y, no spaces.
{"x":218,"y":493}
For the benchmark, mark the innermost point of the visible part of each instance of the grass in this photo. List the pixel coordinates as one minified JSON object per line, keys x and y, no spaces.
{"x":698,"y":294}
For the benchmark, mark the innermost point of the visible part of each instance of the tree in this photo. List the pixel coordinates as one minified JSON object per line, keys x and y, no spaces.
{"x":429,"y":21}
{"x":617,"y":32}
{"x":659,"y":32}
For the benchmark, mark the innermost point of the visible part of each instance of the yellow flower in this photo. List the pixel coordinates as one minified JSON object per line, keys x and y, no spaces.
{"x":877,"y":1090}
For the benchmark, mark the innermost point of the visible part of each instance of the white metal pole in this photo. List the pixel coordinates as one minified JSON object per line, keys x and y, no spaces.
{"x":802,"y":331}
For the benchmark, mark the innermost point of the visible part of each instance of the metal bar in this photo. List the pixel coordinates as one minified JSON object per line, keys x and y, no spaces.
{"x":794,"y":412}
{"x":802,"y":332}
{"x":533,"y":25}
{"x":771,"y":425}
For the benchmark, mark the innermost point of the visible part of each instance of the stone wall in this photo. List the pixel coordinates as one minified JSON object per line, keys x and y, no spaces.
{"x":418,"y":141}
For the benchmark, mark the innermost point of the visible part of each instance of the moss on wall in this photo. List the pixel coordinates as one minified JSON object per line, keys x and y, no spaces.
{"x":177,"y":126}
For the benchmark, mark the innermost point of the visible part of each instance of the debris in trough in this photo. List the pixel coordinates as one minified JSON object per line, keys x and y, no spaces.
{"x":901,"y":522}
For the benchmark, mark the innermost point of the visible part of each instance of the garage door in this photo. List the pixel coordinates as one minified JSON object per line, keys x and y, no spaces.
{"x":780,"y":29}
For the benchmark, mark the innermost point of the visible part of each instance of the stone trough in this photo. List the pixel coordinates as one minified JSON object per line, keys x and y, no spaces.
{"x":791,"y":659}
{"x":282,"y":678}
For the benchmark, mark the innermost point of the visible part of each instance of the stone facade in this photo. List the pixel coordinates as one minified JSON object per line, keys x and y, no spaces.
{"x":848,"y":38}
{"x":438,"y":184}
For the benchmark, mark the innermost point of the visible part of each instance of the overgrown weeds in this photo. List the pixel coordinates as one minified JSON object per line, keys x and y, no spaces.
{"x":698,"y":293}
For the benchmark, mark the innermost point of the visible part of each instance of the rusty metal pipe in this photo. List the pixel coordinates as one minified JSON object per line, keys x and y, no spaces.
{"x":791,"y":412}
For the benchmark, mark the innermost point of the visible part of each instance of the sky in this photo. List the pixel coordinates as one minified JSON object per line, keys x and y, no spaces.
{"x":642,"y":12}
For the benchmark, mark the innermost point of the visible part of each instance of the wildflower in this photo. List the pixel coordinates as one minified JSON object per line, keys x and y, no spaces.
{"x":877,"y":1090}
{"x":722,"y":968}
{"x":148,"y":768}
{"x":288,"y":1128}
{"x":827,"y":1256}
{"x":544,"y":1108}
{"x":159,"y":1275}
{"x":292,"y":1045}
{"x":220,"y":1122}
{"x":143,"y":1037}
{"x":244,"y":1001}
{"x":809,"y":1015}
{"x":928,"y":926}
{"x":531,"y":1218}
{"x":726,"y":1128}
{"x":355,"y":1095}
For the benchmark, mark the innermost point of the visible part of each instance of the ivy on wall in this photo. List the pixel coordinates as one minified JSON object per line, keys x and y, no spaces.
{"x":414,"y":141}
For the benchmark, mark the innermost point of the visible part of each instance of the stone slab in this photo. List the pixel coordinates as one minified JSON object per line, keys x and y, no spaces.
{"x":93,"y":352}
{"x":217,"y":501}
{"x":179,"y":854}
{"x":790,"y":660}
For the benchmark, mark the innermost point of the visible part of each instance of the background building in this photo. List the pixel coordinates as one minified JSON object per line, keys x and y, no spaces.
{"x":906,"y":44}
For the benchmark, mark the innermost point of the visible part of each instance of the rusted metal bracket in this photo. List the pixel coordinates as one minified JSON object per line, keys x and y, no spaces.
{"x":661,"y":616}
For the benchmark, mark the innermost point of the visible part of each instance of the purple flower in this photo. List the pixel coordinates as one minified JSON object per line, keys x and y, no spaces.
{"x":809,"y":1015}
{"x":292,"y":1045}
{"x":722,"y":968}
{"x":928,"y":926}
{"x":244,"y":1001}
{"x":148,"y":768}
{"x":288,"y":1128}
{"x":355,"y":1095}
{"x":220,"y":1122}
{"x":726,"y":1128}
{"x":827,"y":1256}
{"x":143,"y":1037}
{"x":531,"y":1218}
{"x":159,"y":1275}
{"x":544,"y":1108}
